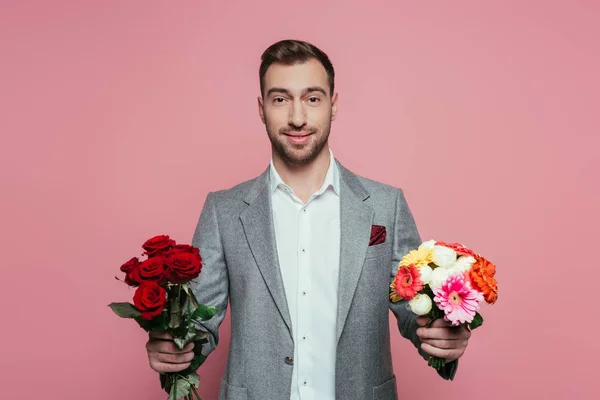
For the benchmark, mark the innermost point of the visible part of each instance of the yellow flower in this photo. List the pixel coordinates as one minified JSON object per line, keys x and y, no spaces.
{"x":420,"y":257}
{"x":393,"y":295}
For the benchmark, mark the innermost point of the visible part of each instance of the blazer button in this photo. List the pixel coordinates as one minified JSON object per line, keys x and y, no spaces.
{"x":289,"y":360}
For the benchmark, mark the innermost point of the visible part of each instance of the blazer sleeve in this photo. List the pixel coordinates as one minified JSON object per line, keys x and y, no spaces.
{"x":211,"y":288}
{"x":406,"y":238}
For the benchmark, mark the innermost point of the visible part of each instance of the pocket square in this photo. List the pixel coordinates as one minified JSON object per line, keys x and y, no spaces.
{"x":378,"y":235}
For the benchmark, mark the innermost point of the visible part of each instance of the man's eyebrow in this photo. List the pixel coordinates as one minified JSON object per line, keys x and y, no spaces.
{"x":277,"y":90}
{"x":304,"y":92}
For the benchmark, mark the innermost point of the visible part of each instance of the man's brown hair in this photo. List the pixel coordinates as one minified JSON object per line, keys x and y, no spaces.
{"x":290,"y":52}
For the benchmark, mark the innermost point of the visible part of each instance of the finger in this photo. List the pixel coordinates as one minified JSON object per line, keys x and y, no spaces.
{"x":446,"y":344}
{"x":423,"y":320}
{"x":165,"y":346}
{"x":439,"y":333}
{"x":166,"y":358}
{"x":447,"y":354}
{"x":166,"y":368}
{"x":441,"y":323}
{"x":160,"y":335}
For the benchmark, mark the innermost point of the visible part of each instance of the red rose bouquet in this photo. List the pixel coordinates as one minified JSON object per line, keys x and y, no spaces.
{"x":163,"y":301}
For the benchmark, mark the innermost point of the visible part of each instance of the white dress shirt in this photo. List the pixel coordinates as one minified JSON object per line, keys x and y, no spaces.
{"x":308,"y":247}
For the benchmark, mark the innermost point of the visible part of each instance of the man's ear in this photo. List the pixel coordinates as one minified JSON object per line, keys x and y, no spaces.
{"x":334,"y":105}
{"x":261,"y":110}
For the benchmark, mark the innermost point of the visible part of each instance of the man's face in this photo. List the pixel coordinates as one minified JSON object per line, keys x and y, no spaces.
{"x":297,"y":110}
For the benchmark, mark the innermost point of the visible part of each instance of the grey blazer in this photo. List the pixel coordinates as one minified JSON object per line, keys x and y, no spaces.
{"x":236,"y":239}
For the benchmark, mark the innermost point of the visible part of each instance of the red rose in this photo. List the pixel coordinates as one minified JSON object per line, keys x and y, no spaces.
{"x":183,"y":266}
{"x":149,"y":299}
{"x":459,"y":248}
{"x":157,"y":244}
{"x":153,"y":269}
{"x":186,"y":248}
{"x":131,"y":269}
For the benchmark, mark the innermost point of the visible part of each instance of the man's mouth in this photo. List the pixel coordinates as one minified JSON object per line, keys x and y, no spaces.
{"x":298,"y":137}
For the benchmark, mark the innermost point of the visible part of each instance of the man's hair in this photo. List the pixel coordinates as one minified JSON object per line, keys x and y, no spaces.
{"x":290,"y":52}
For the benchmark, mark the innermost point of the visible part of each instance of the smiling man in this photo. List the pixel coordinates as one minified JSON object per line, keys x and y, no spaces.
{"x":293,"y":251}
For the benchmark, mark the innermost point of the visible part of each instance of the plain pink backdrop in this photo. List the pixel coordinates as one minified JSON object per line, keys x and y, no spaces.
{"x":118,"y":117}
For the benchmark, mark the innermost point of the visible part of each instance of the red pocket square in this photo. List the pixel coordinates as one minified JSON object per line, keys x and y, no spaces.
{"x":378,"y":235}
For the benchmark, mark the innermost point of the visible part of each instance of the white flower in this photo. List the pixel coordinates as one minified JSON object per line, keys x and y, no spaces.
{"x":463,"y":264}
{"x":420,"y":304}
{"x":428,"y":244}
{"x":444,"y":257}
{"x":438,"y":277}
{"x":425,"y":272}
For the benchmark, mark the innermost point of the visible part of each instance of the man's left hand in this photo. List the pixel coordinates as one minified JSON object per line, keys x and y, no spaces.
{"x":442,"y":339}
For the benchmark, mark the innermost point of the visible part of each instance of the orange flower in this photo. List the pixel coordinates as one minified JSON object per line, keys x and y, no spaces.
{"x":482,"y":277}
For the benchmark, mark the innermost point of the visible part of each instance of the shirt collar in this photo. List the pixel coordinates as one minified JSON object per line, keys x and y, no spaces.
{"x":332,"y":178}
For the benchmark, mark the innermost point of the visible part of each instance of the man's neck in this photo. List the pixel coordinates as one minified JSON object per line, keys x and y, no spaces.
{"x":304,"y":179}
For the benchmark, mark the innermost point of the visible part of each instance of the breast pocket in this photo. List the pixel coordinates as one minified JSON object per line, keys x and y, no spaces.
{"x":379,"y":250}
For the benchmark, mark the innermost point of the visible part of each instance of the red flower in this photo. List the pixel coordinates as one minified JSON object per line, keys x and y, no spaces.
{"x":153,"y":269}
{"x":149,"y":299}
{"x":158,"y":244}
{"x":186,"y":248}
{"x":459,"y":248}
{"x":183,"y":266}
{"x":131,"y":269}
{"x":408,"y":281}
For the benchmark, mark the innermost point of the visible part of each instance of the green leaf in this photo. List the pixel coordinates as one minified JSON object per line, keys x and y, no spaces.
{"x":182,"y":340}
{"x":188,"y":308}
{"x":182,"y":385}
{"x":194,"y":379}
{"x":201,"y":336}
{"x":477,"y":321}
{"x":124,"y":310}
{"x":195,"y":384}
{"x":198,"y":360}
{"x":158,"y":323}
{"x":204,"y":313}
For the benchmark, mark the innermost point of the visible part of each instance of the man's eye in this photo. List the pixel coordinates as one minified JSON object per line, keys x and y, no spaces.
{"x":313,"y":100}
{"x":278,"y":100}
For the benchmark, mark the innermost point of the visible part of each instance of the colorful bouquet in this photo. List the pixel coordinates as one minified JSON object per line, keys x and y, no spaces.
{"x":163,"y":301}
{"x":445,"y":280}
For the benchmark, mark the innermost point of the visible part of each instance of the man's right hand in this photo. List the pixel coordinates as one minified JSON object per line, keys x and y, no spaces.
{"x":165,"y":356}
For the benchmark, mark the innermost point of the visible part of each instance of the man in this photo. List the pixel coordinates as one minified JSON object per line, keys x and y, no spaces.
{"x":293,"y":253}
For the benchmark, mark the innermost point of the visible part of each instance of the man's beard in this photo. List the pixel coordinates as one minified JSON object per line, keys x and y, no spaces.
{"x":289,"y":152}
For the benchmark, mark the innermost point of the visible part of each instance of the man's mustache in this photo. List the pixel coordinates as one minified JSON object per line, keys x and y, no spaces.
{"x":291,"y":131}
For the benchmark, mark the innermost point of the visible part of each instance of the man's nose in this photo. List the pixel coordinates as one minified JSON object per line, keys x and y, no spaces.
{"x":297,"y":116}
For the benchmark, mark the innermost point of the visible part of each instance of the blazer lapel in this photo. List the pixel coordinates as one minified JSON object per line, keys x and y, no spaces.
{"x":356,"y":218}
{"x":257,"y":221}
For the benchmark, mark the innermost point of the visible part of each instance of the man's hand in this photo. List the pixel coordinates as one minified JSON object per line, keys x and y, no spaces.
{"x":165,"y":356}
{"x":442,"y":339}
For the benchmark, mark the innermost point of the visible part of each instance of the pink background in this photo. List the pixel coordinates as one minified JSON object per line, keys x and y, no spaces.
{"x":117,"y":118}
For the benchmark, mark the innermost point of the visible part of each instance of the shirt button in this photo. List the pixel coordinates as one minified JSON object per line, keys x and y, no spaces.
{"x":289,"y":360}
{"x":304,"y":383}
{"x":304,"y":250}
{"x":303,"y":293}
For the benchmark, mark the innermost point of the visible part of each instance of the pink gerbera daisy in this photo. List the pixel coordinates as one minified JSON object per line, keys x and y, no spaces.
{"x":457,"y":299}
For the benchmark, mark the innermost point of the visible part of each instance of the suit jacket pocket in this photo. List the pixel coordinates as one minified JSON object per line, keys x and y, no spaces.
{"x":229,"y":392}
{"x":379,"y":250}
{"x":386,"y":391}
